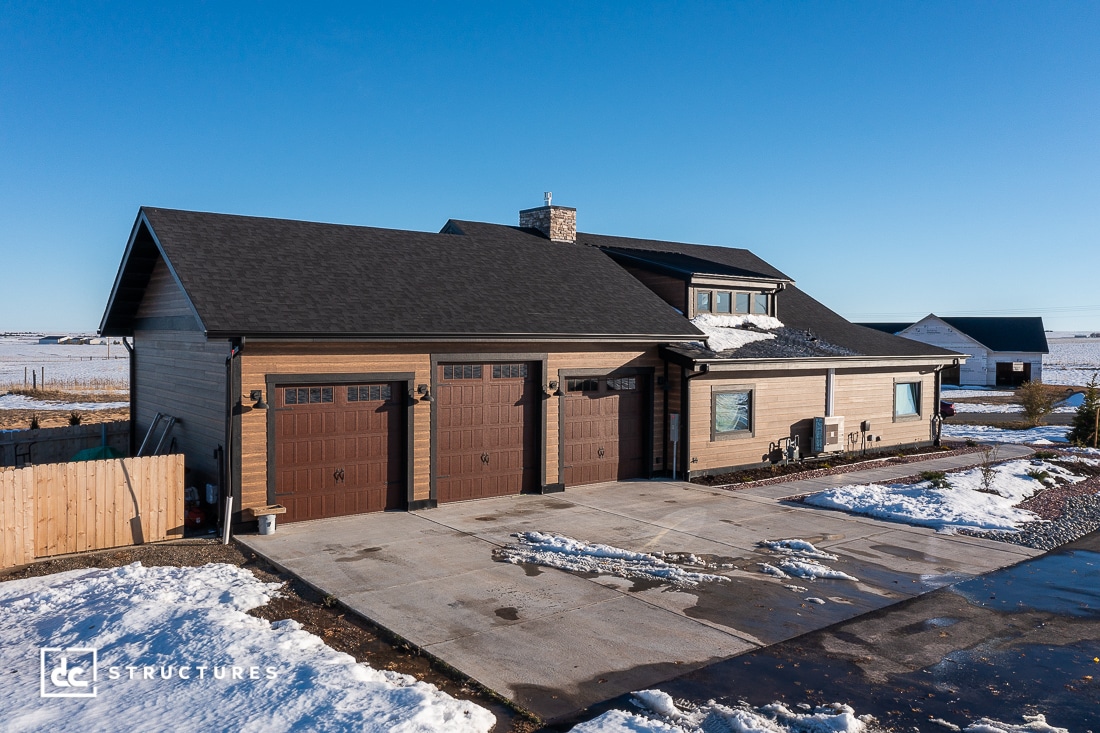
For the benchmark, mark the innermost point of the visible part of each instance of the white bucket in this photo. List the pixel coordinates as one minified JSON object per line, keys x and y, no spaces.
{"x":267,"y":523}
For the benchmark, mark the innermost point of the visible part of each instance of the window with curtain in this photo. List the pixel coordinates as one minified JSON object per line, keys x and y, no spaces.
{"x":906,"y":399}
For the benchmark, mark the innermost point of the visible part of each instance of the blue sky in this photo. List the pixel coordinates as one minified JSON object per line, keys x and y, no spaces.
{"x":895,"y":159}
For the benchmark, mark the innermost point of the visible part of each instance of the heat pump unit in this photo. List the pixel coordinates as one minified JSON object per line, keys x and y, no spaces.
{"x":828,"y":434}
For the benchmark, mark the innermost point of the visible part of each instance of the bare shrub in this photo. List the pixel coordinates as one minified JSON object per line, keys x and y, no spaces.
{"x":1038,"y":401}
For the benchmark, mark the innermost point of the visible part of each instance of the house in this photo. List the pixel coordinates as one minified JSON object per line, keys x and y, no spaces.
{"x":341,"y":369}
{"x":1003,"y":352}
{"x":53,"y":340}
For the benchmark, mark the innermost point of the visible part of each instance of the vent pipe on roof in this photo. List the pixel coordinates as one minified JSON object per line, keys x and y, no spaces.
{"x":558,"y":223}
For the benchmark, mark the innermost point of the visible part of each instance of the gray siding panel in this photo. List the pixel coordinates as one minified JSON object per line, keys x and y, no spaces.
{"x":182,"y":375}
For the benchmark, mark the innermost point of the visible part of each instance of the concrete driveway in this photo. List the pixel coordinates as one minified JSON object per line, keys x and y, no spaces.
{"x":555,"y":642}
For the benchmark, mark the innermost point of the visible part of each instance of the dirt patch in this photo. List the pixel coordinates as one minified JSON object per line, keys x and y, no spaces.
{"x":21,"y":419}
{"x":319,"y":615}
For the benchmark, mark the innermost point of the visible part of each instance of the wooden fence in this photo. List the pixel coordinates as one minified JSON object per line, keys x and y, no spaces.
{"x":58,"y":508}
{"x":54,"y":445}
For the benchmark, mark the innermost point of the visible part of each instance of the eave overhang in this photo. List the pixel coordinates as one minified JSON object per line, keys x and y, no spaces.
{"x":720,"y":365}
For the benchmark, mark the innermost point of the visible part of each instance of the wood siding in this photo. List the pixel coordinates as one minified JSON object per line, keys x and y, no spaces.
{"x":785,"y":403}
{"x":671,"y":290}
{"x":163,"y":298}
{"x":59,"y":508}
{"x":259,"y":360}
{"x":180,"y":374}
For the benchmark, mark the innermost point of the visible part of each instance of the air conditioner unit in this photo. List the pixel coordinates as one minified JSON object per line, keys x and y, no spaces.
{"x":828,"y":434}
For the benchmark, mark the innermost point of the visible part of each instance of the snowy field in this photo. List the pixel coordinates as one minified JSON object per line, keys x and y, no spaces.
{"x":1043,"y":434}
{"x":62,"y":362}
{"x":1071,"y":361}
{"x":176,"y":650}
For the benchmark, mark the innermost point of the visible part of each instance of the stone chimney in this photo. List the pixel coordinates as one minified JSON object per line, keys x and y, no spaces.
{"x":559,"y":223}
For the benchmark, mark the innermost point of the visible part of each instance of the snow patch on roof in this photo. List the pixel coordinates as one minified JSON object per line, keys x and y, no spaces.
{"x":725,"y":332}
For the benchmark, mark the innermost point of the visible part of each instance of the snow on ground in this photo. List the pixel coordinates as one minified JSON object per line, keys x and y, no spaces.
{"x":62,"y":362}
{"x":566,"y":553}
{"x":961,"y":505}
{"x":804,"y":569}
{"x":176,"y":645}
{"x":801,"y":548}
{"x":988,"y":433}
{"x":658,"y":713}
{"x":951,"y":392}
{"x":1071,"y":362}
{"x":1013,"y":409}
{"x":729,"y":332}
{"x":22,"y":402}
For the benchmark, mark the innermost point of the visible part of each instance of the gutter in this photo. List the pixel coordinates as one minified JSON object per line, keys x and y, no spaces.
{"x":404,"y":337}
{"x":133,"y":394}
{"x":227,"y":477}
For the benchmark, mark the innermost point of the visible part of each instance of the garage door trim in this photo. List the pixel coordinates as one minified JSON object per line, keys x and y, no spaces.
{"x":274,"y":381}
{"x":539,"y":379}
{"x":647,"y":417}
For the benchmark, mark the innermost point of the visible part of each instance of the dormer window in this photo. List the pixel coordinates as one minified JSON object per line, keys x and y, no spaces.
{"x":732,"y":302}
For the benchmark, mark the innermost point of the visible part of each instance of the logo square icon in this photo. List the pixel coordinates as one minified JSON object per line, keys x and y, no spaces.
{"x":68,"y":671}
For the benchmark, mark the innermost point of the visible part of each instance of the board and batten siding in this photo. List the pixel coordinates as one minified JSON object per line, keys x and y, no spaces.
{"x":261,"y":360}
{"x":785,"y":403}
{"x":672,"y":290}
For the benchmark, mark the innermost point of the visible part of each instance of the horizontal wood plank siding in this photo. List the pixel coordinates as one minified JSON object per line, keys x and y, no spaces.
{"x":259,"y":360}
{"x":60,"y":508}
{"x":785,"y":403}
{"x":162,"y":296}
{"x":181,"y":374}
{"x":671,"y":290}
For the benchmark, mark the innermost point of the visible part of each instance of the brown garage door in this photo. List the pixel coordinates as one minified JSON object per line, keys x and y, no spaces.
{"x":338,"y":449}
{"x":604,"y":429}
{"x":485,"y":430}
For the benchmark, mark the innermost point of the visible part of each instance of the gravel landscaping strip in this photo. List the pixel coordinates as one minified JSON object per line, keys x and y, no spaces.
{"x":1069,"y":512}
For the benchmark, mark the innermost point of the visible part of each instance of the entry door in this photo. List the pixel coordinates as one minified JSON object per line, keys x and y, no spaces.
{"x":604,"y":425}
{"x":486,"y":416}
{"x":338,"y":449}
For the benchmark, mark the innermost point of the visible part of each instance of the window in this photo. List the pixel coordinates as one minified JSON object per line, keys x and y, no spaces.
{"x":702,"y":301}
{"x":462,"y":371}
{"x":509,"y":371}
{"x":732,"y":412}
{"x":307,"y":395}
{"x":582,"y":385}
{"x":369,"y":393}
{"x":760,"y":304}
{"x":906,"y":400}
{"x":723,"y":302}
{"x":622,"y":384}
{"x":743,"y":302}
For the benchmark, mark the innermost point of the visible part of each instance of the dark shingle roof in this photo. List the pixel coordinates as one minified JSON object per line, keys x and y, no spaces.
{"x":891,"y":328}
{"x":1003,"y":333}
{"x":273,"y":277}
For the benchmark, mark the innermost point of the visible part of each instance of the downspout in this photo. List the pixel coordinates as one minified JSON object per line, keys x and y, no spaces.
{"x":937,"y":418}
{"x":227,"y":475}
{"x":830,"y":390}
{"x":664,"y":421}
{"x":133,"y":394}
{"x":685,"y":414}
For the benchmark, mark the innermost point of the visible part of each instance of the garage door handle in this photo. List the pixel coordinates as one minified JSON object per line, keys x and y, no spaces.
{"x":485,"y":458}
{"x":600,"y":452}
{"x":338,"y":475}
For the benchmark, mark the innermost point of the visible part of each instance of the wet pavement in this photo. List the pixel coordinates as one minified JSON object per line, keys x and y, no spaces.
{"x":1021,"y":640}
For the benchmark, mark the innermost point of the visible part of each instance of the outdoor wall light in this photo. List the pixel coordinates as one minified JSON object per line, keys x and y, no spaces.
{"x":425,"y":395}
{"x":553,"y":390}
{"x":257,"y":396}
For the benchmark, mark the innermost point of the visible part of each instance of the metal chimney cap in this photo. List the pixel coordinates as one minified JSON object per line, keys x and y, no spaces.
{"x":547,"y":196}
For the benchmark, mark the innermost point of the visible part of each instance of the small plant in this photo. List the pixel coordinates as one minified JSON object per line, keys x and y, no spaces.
{"x":970,"y":443}
{"x":1045,"y":455}
{"x":75,"y":418}
{"x":1037,"y":400}
{"x":35,"y":425}
{"x":1038,"y":474}
{"x":329,"y":601}
{"x":989,"y":468}
{"x":938,"y":479}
